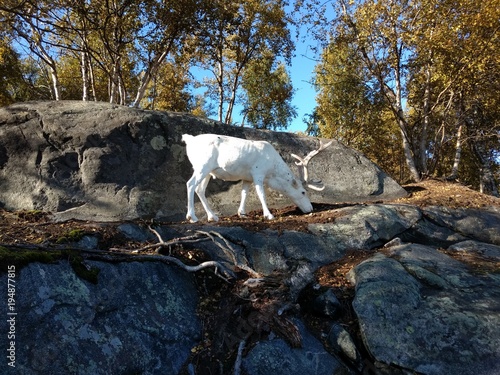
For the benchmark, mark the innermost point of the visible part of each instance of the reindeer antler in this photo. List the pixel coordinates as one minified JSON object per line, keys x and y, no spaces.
{"x":303,"y":162}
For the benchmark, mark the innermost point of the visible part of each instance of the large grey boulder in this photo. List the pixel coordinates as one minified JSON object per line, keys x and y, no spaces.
{"x":106,"y":162}
{"x":371,"y":226}
{"x":423,"y":311}
{"x":483,"y":225}
{"x":140,"y":318}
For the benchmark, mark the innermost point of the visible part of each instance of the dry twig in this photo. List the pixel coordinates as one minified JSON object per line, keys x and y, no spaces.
{"x":230,"y":252}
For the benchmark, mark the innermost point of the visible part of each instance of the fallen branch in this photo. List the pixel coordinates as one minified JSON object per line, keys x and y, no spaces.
{"x":229,"y":251}
{"x":115,"y":255}
{"x":168,"y":244}
{"x":221,"y":271}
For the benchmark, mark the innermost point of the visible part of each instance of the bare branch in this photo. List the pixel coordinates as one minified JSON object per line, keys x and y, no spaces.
{"x":173,"y":242}
{"x":219,"y":269}
{"x":229,"y":251}
{"x":125,"y":255}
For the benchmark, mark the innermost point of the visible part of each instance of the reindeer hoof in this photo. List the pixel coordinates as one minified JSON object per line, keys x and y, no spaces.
{"x":213,"y":218}
{"x":191,"y":218}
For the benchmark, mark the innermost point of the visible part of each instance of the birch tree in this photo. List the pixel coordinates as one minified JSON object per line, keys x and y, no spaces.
{"x":32,"y":23}
{"x":236,"y":33}
{"x":268,"y":94}
{"x":378,"y":28}
{"x":169,"y":23}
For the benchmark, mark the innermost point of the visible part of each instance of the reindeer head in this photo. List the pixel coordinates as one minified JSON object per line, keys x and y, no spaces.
{"x":302,"y":165}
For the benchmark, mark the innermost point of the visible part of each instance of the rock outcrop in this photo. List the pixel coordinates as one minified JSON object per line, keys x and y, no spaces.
{"x":424,"y":311}
{"x":98,"y":161}
{"x":421,"y":308}
{"x":426,"y":296}
{"x":140,"y":318}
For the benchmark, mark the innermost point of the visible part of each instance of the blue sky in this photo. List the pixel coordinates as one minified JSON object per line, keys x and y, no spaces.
{"x":301,"y":72}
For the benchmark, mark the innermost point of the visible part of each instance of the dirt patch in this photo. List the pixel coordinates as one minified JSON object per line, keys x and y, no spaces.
{"x":449,"y":194}
{"x":36,"y":228}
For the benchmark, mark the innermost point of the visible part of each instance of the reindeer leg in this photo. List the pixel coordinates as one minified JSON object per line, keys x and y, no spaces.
{"x":200,"y":191}
{"x":198,"y":182}
{"x":191,"y":186}
{"x":259,"y":187}
{"x":244,"y":191}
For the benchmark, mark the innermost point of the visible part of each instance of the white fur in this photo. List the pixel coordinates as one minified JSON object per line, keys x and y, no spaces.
{"x":235,"y":159}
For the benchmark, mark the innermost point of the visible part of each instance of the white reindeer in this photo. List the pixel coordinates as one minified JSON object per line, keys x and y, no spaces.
{"x":235,"y":159}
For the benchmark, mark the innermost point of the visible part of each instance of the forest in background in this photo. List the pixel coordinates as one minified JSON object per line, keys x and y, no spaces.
{"x":412,"y":84}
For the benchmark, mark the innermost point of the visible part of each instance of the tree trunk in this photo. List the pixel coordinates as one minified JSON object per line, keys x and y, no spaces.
{"x":410,"y":160}
{"x":85,"y":76}
{"x":37,"y":47}
{"x":458,"y":154}
{"x":459,"y":113}
{"x":150,"y":72}
{"x":220,"y":83}
{"x":122,"y":90}
{"x":407,"y":149}
{"x":487,"y":183}
{"x":113,"y":91}
{"x":230,"y":107}
{"x":146,"y":78}
{"x":55,"y":81}
{"x":425,"y":123}
{"x":92,"y":80}
{"x":53,"y":72}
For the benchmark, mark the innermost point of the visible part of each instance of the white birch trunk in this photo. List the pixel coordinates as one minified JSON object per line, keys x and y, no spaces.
{"x":150,"y":72}
{"x":85,"y":78}
{"x":458,"y":154}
